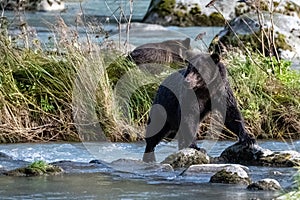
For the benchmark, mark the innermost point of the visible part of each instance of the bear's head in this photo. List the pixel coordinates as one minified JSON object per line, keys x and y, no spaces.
{"x":204,"y":69}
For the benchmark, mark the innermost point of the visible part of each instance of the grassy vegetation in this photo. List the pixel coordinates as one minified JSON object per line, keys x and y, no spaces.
{"x":268,"y":93}
{"x":69,"y":89}
{"x":38,"y":85}
{"x":39,"y":165}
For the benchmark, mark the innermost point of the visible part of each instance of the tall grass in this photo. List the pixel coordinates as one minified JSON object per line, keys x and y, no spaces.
{"x":37,"y":89}
{"x":34,"y":95}
{"x":268,"y":92}
{"x":75,"y":90}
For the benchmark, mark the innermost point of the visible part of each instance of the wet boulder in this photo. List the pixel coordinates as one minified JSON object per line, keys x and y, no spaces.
{"x":187,"y":157}
{"x":265,"y":184}
{"x":258,"y":156}
{"x":231,"y":175}
{"x":211,"y":168}
{"x":38,"y":168}
{"x":244,"y":154}
{"x":251,"y":33}
{"x":281,"y":159}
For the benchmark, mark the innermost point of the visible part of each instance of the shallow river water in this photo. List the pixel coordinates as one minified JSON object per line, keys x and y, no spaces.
{"x":128,"y":182}
{"x":123,"y":179}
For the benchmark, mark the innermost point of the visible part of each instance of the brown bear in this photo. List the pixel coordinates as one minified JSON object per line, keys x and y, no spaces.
{"x":186,"y":97}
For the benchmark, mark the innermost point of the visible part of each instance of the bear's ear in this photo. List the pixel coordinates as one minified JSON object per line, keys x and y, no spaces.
{"x":215,"y":57}
{"x":187,"y":43}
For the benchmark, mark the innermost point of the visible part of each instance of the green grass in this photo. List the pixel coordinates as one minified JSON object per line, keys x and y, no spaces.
{"x":39,"y":165}
{"x":70,"y":93}
{"x":72,"y":90}
{"x":268,"y":93}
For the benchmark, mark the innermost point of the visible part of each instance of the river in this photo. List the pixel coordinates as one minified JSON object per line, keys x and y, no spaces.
{"x":130,"y":183}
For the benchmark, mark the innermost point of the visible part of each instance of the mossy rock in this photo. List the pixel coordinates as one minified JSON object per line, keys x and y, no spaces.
{"x":37,"y":168}
{"x":245,"y":33}
{"x":186,"y":157}
{"x":216,"y":19}
{"x":165,"y":7}
{"x":265,"y":184}
{"x":229,"y":176}
{"x":281,"y":159}
{"x":171,"y":12}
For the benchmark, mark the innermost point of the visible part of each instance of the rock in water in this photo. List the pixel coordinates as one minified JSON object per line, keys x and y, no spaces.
{"x":34,"y":5}
{"x":186,"y":157}
{"x":244,"y":154}
{"x":255,"y":155}
{"x":211,"y":12}
{"x":211,"y":168}
{"x":231,"y":175}
{"x":265,"y":184}
{"x":47,"y":169}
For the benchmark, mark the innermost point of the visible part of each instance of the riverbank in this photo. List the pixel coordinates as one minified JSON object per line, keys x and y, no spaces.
{"x":68,"y":92}
{"x":77,"y":84}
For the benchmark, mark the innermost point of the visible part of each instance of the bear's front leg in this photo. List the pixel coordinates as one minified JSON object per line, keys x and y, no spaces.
{"x":234,"y":121}
{"x":194,"y":106}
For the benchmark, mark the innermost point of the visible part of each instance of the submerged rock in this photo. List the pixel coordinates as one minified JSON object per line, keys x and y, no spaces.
{"x":8,"y":163}
{"x":136,"y":166}
{"x":95,"y":166}
{"x":4,"y":156}
{"x":212,"y":168}
{"x":231,"y":175}
{"x":186,"y":157}
{"x":265,"y":184}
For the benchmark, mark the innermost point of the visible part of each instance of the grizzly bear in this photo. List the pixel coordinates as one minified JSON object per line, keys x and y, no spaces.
{"x":185,"y":98}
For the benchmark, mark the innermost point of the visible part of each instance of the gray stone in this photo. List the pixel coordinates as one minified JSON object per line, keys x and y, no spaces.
{"x":281,"y":159}
{"x":265,"y":184}
{"x":195,"y":12}
{"x":255,"y":155}
{"x":186,"y":157}
{"x":231,"y":175}
{"x":245,"y":31}
{"x":212,"y":168}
